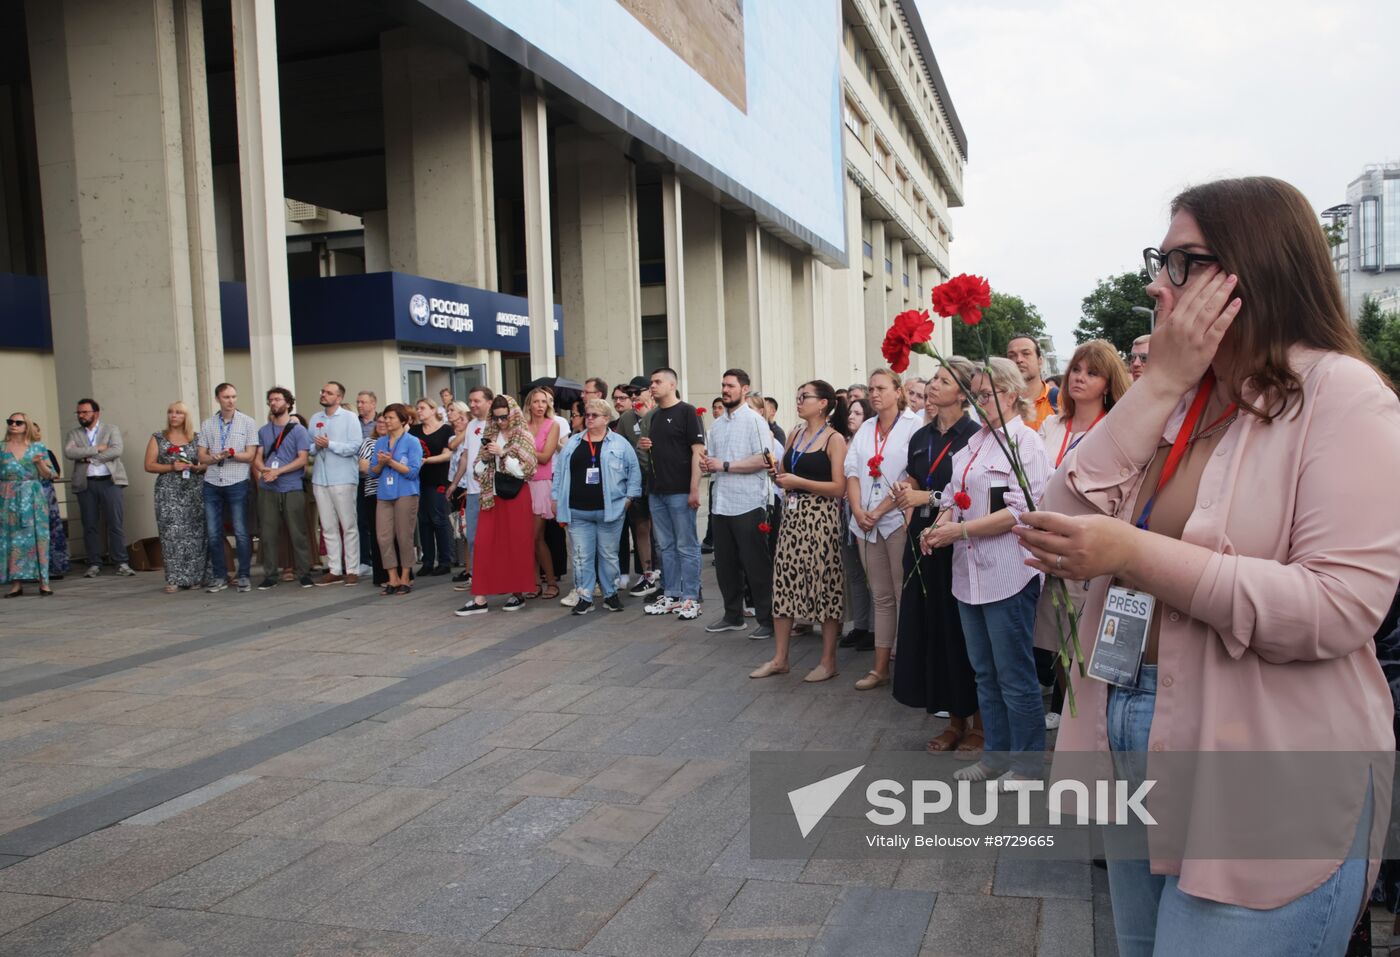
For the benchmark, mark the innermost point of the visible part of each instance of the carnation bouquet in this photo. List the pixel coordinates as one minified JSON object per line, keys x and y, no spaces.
{"x":965,"y":296}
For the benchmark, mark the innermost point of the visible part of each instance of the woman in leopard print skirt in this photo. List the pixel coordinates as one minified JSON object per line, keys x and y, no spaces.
{"x":808,"y":577}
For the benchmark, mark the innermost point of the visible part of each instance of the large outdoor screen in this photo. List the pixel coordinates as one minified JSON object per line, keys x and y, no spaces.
{"x":744,"y":94}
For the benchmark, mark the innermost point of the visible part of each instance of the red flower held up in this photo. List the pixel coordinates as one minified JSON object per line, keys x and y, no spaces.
{"x":700,"y":412}
{"x":911,"y":327}
{"x":874,"y":463}
{"x":962,"y":500}
{"x":964,"y":296}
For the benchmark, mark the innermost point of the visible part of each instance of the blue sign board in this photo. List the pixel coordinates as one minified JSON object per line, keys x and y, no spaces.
{"x":24,"y":312}
{"x":444,"y":313}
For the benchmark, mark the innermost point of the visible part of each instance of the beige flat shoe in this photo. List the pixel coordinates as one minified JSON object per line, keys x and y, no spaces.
{"x":871,"y":680}
{"x":767,"y":669}
{"x":819,"y":673}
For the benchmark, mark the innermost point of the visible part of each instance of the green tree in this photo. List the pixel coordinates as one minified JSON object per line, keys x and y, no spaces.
{"x":1006,"y":316}
{"x":1108,"y":311}
{"x":1380,"y":335}
{"x":1371,"y":322}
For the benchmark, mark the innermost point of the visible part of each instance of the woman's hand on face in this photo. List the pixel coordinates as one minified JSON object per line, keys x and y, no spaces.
{"x":1076,"y":547}
{"x":1185,"y":340}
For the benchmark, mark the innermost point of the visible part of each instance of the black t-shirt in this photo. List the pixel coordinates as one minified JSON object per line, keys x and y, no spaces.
{"x":435,"y":473}
{"x":582,"y":496}
{"x":673,"y":433}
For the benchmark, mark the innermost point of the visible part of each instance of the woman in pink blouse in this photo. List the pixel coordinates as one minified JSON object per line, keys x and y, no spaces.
{"x":995,"y":590}
{"x":1269,"y":552}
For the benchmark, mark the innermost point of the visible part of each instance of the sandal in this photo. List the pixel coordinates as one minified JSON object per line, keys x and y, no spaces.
{"x":970,"y":748}
{"x":552,"y":591}
{"x":45,"y":592}
{"x":171,"y":589}
{"x":944,"y":742}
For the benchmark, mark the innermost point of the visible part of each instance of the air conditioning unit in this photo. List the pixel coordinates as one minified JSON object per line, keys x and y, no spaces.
{"x":299,"y":212}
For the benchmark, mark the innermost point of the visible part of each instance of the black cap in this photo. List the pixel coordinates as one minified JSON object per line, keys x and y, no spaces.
{"x":639,"y":383}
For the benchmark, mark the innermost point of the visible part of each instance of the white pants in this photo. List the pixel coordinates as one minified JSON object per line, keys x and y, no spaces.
{"x":340,"y":524}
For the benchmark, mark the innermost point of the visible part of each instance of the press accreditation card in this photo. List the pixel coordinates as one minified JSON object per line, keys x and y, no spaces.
{"x":1122,"y":636}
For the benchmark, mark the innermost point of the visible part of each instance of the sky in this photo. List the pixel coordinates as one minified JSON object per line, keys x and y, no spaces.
{"x":1085,"y":117}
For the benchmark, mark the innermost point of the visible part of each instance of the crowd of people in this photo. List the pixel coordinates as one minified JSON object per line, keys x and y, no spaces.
{"x":1227,"y":478}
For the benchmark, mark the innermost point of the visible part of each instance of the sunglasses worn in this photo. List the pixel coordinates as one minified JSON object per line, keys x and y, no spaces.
{"x":15,"y":423}
{"x":500,"y":418}
{"x":595,"y":415}
{"x":1177,"y":261}
{"x":1138,"y":357}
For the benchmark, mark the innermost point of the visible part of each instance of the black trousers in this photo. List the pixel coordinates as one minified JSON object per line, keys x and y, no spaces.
{"x":364,"y":518}
{"x":741,"y":554}
{"x":434,"y":529}
{"x":102,"y":499}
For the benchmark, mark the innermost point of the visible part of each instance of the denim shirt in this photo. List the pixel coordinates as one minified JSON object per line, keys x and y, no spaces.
{"x":622,"y":477}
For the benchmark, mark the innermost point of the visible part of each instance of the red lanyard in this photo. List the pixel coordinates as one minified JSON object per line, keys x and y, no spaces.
{"x":592,"y":452}
{"x":880,"y":446}
{"x":1184,"y":438}
{"x":1064,"y":443}
{"x":928,"y":479}
{"x":968,"y":466}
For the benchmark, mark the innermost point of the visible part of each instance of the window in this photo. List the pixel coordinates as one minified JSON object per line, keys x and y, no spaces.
{"x":882,"y":155}
{"x":1369,"y":239}
{"x":854,"y":121}
{"x":1390,"y":220}
{"x":654,"y":342}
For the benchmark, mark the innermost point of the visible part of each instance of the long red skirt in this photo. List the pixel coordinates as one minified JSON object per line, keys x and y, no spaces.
{"x":503,"y":557}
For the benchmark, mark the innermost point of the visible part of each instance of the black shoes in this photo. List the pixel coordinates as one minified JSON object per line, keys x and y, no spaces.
{"x":613,"y":602}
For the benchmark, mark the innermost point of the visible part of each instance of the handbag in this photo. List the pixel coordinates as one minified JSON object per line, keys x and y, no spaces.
{"x":507,"y":485}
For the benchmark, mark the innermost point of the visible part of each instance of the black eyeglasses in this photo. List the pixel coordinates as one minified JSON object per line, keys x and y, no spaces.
{"x":804,"y":396}
{"x":1178,"y":262}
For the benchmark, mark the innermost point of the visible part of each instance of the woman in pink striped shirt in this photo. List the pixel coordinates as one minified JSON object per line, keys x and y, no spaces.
{"x":1245,"y":482}
{"x":995,"y":590}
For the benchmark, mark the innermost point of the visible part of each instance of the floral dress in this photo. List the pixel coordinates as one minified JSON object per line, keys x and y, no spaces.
{"x":24,"y":518}
{"x":180,"y":516}
{"x":58,"y":535}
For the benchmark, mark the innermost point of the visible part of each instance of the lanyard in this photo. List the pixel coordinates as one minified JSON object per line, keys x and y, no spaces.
{"x":592,"y":452}
{"x":1184,"y":438}
{"x":1065,"y":444}
{"x":968,"y":466}
{"x":928,"y":479}
{"x":92,"y":439}
{"x":796,"y":456}
{"x":224,"y":429}
{"x":278,"y":444}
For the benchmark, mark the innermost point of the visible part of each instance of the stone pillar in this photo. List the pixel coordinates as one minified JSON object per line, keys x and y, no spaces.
{"x":539,"y":253}
{"x":672,"y":227}
{"x":739,"y":251}
{"x":112,"y":136}
{"x":876,"y":320}
{"x":264,"y":204}
{"x":377,"y":240}
{"x":437,"y":162}
{"x":851,"y":353}
{"x":599,"y":283}
{"x":702,"y":255}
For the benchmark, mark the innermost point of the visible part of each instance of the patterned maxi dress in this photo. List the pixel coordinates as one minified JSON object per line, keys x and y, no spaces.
{"x":180,"y":518}
{"x":58,"y":536}
{"x":24,"y":518}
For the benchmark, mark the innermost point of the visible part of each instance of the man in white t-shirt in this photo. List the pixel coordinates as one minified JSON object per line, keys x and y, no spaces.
{"x":463,"y":477}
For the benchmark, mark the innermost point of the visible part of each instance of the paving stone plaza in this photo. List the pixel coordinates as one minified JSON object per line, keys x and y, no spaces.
{"x":326,"y":771}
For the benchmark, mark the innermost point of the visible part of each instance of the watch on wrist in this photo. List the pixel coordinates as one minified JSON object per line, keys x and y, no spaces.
{"x":726,"y":466}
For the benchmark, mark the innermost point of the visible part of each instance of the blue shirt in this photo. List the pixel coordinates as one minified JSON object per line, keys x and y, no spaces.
{"x":406,"y":451}
{"x":338,"y":463}
{"x":296,"y":442}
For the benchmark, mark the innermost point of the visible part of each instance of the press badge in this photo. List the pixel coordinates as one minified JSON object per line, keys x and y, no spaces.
{"x":593,"y":476}
{"x":1122,"y":636}
{"x":185,"y":473}
{"x":274,"y":464}
{"x":925,"y":511}
{"x":791,"y":502}
{"x":389,"y":481}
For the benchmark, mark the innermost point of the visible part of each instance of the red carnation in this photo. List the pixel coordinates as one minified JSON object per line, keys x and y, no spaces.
{"x":874,"y":464}
{"x":232,"y":452}
{"x":962,"y":500}
{"x":911,"y":327}
{"x":176,"y":449}
{"x":320,"y":425}
{"x":442,"y":489}
{"x":764,"y":527}
{"x":700,"y":412}
{"x":964,"y":296}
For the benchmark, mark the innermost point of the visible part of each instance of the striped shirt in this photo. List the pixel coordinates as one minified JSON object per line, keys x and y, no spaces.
{"x":738,"y":435}
{"x":370,"y":480}
{"x":991,"y":569}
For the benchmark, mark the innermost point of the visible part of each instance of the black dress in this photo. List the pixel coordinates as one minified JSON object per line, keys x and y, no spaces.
{"x":932,"y":670}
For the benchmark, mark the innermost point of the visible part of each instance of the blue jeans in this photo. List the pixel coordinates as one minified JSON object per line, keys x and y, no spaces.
{"x":998,"y":638}
{"x":1152,"y":915}
{"x":595,"y":545}
{"x":236,"y":498}
{"x":675,"y":540}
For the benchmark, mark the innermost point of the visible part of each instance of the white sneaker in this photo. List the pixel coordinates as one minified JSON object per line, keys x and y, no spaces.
{"x":92,"y":571}
{"x":1052,"y":721}
{"x":688,"y":609}
{"x":662,"y":606}
{"x":623,"y":582}
{"x":749,"y":612}
{"x":366,"y":571}
{"x":570,"y":600}
{"x":125,"y":570}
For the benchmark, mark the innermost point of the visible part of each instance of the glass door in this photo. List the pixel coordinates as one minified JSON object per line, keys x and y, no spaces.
{"x":413,"y":381}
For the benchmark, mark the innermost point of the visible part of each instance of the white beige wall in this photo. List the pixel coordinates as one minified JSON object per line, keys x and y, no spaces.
{"x":31,"y":388}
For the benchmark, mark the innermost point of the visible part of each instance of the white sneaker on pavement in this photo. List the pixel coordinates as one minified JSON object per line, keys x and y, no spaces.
{"x":688,"y":610}
{"x":570,"y":600}
{"x":92,"y":571}
{"x":125,"y":570}
{"x":1052,"y":721}
{"x":662,"y":606}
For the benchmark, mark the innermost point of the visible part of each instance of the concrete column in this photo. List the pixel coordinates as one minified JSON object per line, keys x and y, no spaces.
{"x":207,"y":333}
{"x":264,"y":204}
{"x":539,"y":254}
{"x":894,"y":297}
{"x":672,"y":227}
{"x":851,"y":352}
{"x":437,"y":161}
{"x":111,"y":134}
{"x":876,"y":319}
{"x":807,"y":328}
{"x":702,"y":255}
{"x":377,"y":240}
{"x":599,"y":283}
{"x":740,"y":292}
{"x":912,"y":300}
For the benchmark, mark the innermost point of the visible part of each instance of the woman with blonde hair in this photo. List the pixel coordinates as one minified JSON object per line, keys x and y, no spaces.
{"x":1095,"y":381}
{"x":544,"y":432}
{"x":24,"y":515}
{"x":996,"y":592}
{"x":172,"y":458}
{"x":875,"y":466}
{"x":503,"y":561}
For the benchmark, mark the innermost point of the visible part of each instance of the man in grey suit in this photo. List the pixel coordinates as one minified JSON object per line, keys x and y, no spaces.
{"x":98,"y":477}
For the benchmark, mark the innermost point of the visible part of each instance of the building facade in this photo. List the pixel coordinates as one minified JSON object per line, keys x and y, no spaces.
{"x":408,"y":196}
{"x":1368,"y":257}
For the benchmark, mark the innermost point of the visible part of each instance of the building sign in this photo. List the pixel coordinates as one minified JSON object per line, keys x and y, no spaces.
{"x":444,"y":313}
